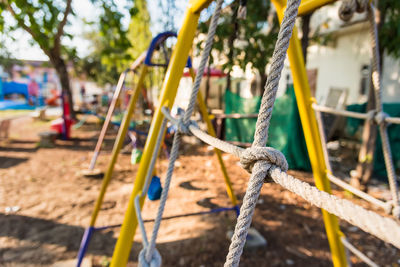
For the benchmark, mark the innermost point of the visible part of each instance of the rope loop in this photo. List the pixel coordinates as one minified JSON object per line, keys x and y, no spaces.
{"x":361,"y":5}
{"x":184,"y":127}
{"x":347,"y":9}
{"x":380,"y":117}
{"x":242,"y":10}
{"x":269,"y":154}
{"x":371,"y":115}
{"x":155,"y":260}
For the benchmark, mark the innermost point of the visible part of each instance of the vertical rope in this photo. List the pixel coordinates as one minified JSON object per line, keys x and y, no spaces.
{"x":376,"y":83}
{"x":261,"y":135}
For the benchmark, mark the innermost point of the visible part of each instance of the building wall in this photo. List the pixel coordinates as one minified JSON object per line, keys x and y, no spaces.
{"x":340,"y":65}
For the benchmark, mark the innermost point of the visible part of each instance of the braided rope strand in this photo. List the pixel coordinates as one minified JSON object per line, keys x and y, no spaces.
{"x":261,"y":168}
{"x":376,"y":82}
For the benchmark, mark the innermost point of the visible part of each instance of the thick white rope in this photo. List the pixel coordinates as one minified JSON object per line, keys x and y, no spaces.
{"x":261,"y":167}
{"x":385,"y":228}
{"x":266,"y":162}
{"x":155,"y":259}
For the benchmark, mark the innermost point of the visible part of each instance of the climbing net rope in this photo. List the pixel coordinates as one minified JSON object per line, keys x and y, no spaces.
{"x":346,"y":11}
{"x":265,"y":164}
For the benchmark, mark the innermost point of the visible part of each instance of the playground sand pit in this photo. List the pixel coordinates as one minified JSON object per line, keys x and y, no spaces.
{"x":45,"y":205}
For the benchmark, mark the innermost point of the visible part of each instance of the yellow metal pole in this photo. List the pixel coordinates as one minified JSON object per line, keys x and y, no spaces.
{"x":168,"y":93}
{"x":118,"y":144}
{"x":211,"y":131}
{"x":314,"y":147}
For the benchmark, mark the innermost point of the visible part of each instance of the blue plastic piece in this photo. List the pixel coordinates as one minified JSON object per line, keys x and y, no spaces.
{"x":161,"y":37}
{"x":155,"y":189}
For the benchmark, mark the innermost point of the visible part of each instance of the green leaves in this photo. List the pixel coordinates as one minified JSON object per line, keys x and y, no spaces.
{"x":254,"y":38}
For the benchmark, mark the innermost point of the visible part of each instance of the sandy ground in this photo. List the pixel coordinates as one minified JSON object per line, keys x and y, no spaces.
{"x":45,"y":205}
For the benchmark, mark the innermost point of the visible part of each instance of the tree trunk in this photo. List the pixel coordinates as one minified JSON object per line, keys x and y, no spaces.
{"x":381,"y":17}
{"x":231,"y":41}
{"x":61,"y":69}
{"x":263,"y":77}
{"x":208,"y":85}
{"x":305,"y":27}
{"x":365,"y":164}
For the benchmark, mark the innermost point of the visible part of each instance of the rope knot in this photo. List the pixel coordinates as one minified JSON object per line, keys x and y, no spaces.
{"x":267,"y":154}
{"x":361,"y":5}
{"x":155,"y":260}
{"x":184,"y":127}
{"x":347,"y":9}
{"x":380,"y":117}
{"x":371,"y":115}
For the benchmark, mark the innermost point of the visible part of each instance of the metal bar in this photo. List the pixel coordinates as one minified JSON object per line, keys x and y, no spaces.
{"x":345,"y":113}
{"x":357,"y":192}
{"x":118,"y":144}
{"x":333,"y":178}
{"x":211,"y":131}
{"x":106,"y":123}
{"x":168,"y":93}
{"x":196,"y":6}
{"x":310,"y":128}
{"x":358,"y":253}
{"x":393,"y":120}
{"x":308,"y":6}
{"x":235,"y":116}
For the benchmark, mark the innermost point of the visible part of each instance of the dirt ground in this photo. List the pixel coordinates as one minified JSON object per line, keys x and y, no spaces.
{"x":45,"y":205}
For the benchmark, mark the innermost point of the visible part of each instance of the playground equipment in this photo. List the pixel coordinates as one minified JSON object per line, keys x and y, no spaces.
{"x":63,"y":125}
{"x":146,"y":63}
{"x":20,"y":89}
{"x":265,"y":164}
{"x":91,"y":171}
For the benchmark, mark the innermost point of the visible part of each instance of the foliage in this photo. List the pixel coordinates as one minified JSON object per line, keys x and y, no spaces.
{"x":389,"y":31}
{"x":169,"y":11}
{"x":110,"y":45}
{"x":44,"y":20}
{"x":6,"y":59}
{"x":139,"y":29}
{"x":255,"y":36}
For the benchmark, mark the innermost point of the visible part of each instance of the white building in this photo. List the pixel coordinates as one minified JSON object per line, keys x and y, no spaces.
{"x":344,"y":62}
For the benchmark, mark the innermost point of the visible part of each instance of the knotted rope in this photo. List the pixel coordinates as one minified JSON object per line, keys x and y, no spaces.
{"x":260,"y":170}
{"x":348,"y":7}
{"x":262,"y":161}
{"x":269,"y":155}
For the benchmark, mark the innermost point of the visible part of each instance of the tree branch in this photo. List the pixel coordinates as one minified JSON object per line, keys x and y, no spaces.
{"x":19,"y":20}
{"x":60,"y":29}
{"x":36,"y":36}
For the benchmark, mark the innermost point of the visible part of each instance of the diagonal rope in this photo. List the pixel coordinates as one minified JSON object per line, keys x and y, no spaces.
{"x":149,"y":254}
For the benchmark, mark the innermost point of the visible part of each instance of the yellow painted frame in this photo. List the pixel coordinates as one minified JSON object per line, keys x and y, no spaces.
{"x":168,"y":94}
